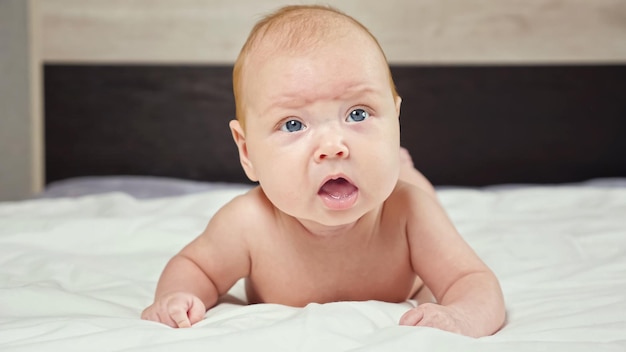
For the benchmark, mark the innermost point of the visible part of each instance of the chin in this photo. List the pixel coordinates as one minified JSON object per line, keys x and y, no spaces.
{"x":339,"y":218}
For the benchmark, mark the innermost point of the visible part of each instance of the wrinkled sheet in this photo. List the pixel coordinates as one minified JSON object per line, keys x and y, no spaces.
{"x":75,"y":274}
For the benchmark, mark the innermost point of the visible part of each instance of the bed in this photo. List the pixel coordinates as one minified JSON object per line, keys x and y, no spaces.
{"x":529,"y":162}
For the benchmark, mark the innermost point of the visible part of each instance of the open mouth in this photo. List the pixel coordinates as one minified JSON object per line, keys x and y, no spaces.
{"x":338,"y":193}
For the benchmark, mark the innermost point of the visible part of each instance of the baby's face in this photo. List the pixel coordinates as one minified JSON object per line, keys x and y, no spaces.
{"x":322,"y":130}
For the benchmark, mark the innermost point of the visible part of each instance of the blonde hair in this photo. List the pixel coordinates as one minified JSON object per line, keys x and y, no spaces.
{"x":298,"y":26}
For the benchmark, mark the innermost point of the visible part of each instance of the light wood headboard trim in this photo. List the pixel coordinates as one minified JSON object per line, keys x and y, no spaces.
{"x":413,"y":32}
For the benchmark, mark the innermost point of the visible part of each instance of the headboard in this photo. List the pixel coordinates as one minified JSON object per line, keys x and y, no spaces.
{"x":493,"y":91}
{"x":464,"y":125}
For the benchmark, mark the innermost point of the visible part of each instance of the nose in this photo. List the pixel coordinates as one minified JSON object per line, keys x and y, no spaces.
{"x":332,"y":146}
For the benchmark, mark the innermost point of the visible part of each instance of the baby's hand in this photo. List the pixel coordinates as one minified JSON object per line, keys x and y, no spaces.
{"x":178,"y":310}
{"x":435,"y":316}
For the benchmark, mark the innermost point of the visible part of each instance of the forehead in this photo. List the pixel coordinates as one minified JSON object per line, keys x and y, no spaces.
{"x":317,"y":77}
{"x":348,"y":60}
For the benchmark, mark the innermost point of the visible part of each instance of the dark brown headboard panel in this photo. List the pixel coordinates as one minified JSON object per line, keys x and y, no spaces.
{"x":140,"y":120}
{"x":464,"y":125}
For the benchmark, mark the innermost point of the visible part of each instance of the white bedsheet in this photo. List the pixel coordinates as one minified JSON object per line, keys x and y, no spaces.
{"x":75,"y":274}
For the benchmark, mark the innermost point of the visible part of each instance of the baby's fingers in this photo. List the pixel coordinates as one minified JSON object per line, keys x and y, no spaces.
{"x":178,"y":310}
{"x":187,"y":311}
{"x":150,"y":314}
{"x":196,"y":311}
{"x":178,"y":314}
{"x":412,"y":317}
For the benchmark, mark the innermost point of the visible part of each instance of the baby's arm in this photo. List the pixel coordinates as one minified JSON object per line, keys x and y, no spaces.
{"x":470,"y":301}
{"x":193,"y":280}
{"x":183,"y":293}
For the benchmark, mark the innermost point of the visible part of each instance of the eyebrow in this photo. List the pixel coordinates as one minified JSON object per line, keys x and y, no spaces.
{"x":296,"y":100}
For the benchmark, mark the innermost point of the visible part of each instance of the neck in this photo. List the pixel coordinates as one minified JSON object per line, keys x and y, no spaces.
{"x":316,"y":234}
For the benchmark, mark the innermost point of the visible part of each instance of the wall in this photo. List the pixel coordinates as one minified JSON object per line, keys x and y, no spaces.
{"x":21,"y":171}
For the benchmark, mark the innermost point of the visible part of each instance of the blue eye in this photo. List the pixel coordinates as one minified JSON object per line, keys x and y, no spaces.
{"x":292,"y":126}
{"x":358,"y":115}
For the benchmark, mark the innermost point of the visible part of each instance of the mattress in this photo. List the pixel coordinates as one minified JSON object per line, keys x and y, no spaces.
{"x":78,"y":265}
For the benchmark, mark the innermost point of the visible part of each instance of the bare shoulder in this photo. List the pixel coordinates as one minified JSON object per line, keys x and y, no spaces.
{"x":412,"y":198}
{"x":424,"y":213}
{"x":248,"y":210}
{"x":228,"y":230}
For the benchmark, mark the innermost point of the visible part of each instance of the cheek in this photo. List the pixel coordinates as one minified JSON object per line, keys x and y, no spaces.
{"x":383,"y":163}
{"x":388,"y":166}
{"x":272,"y":161}
{"x":281,"y":174}
{"x":382,"y":146}
{"x":285,"y":193}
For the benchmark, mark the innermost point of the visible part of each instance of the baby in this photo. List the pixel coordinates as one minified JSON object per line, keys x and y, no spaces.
{"x":339,"y":214}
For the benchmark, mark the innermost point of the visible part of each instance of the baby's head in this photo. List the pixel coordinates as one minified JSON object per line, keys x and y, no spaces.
{"x":291,"y":29}
{"x":317,"y":115}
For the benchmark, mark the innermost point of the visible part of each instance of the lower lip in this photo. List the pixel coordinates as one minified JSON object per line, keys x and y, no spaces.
{"x":340,"y":203}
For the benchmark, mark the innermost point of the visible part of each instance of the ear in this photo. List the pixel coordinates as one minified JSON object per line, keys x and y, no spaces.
{"x":398,"y":103}
{"x":240,"y":139}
